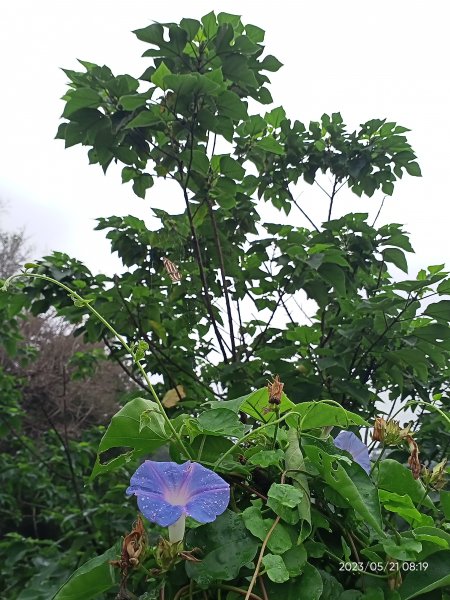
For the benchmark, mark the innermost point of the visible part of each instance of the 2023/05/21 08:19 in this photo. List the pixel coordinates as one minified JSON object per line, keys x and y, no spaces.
{"x":380,"y":567}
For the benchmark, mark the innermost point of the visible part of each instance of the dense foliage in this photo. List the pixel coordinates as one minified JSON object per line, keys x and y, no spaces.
{"x":224,"y":312}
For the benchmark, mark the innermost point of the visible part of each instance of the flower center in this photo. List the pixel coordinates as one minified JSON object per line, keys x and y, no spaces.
{"x":178,"y":497}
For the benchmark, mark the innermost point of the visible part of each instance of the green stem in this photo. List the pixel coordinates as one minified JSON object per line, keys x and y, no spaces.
{"x":251,"y":434}
{"x":398,"y":537}
{"x":436,"y":408}
{"x":275,"y":433}
{"x":422,"y":500}
{"x":200,"y":450}
{"x":383,"y":450}
{"x":76,"y":296}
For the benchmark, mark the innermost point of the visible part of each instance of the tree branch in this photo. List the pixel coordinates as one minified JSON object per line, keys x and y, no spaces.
{"x":333,"y":194}
{"x":224,"y":282}
{"x":184,"y":181}
{"x":263,"y":333}
{"x":301,"y":210}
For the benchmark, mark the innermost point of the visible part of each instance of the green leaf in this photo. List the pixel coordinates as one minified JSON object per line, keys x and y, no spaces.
{"x":212,"y":447}
{"x":445,"y":504}
{"x":437,"y":334}
{"x":255,"y":34}
{"x":335,"y":275}
{"x":230,"y":105}
{"x":91,"y":579}
{"x":133,"y":101}
{"x":439,"y":310}
{"x":234,"y":405}
{"x":285,"y":494}
{"x":432,"y":538}
{"x":254,"y":126}
{"x":146,"y":118}
{"x":275,"y":568}
{"x":322,"y":414}
{"x":231,"y":168}
{"x":255,"y":404}
{"x":125,"y":431}
{"x":308,"y":586}
{"x":294,"y":465}
{"x":152,"y":419}
{"x":275,"y":116}
{"x":351,"y":482}
{"x":444,"y":287}
{"x":221,"y":421}
{"x":395,"y":477}
{"x":191,"y":26}
{"x":81,"y":98}
{"x":421,"y":581}
{"x":284,"y":500}
{"x":407,"y":549}
{"x":413,"y":169}
{"x":294,"y":559}
{"x":198,"y":160}
{"x":216,"y":540}
{"x":403,"y":506}
{"x":279,"y":542}
{"x":270,"y":144}
{"x":153,"y":34}
{"x":397,"y":257}
{"x":141,"y":184}
{"x":267,"y":458}
{"x":270,"y":63}
{"x":160,"y":74}
{"x":209,"y":24}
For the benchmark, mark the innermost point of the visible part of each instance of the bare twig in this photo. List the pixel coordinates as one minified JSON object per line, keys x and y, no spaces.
{"x":379,"y":211}
{"x":303,"y":212}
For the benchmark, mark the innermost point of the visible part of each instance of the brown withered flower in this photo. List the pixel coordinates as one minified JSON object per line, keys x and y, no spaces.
{"x":275,"y":389}
{"x":133,"y":549}
{"x":413,"y":460}
{"x":389,"y":432}
{"x":379,"y":429}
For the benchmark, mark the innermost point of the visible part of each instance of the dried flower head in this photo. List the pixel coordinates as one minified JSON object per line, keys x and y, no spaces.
{"x":413,"y":460}
{"x":275,"y":389}
{"x":379,"y":429}
{"x":133,"y":549}
{"x":389,"y":432}
{"x":436,"y":477}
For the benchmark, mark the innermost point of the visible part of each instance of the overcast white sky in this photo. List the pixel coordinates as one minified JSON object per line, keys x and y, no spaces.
{"x":364,"y":59}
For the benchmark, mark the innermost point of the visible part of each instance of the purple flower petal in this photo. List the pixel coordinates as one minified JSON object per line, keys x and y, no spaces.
{"x":347,"y":440}
{"x":166,"y":490}
{"x":157,"y":510}
{"x":205,"y":507}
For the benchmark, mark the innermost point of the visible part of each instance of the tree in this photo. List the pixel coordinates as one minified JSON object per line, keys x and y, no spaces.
{"x":182,"y":305}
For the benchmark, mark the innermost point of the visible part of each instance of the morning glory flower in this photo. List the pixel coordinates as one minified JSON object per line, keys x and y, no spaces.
{"x":167,"y":492}
{"x":346,"y":440}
